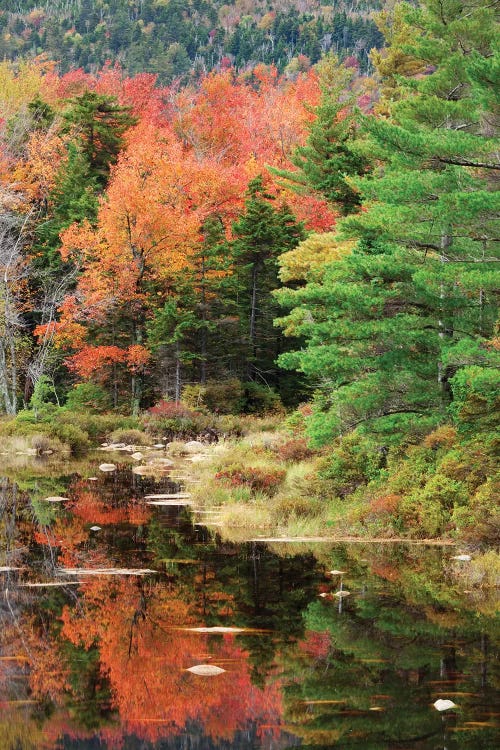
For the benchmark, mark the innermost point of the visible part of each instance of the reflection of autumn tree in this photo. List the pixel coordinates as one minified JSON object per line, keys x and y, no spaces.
{"x":144,"y":653}
{"x":90,"y":506}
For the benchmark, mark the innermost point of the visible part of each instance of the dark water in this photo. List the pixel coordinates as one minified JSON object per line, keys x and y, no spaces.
{"x":101,"y":661}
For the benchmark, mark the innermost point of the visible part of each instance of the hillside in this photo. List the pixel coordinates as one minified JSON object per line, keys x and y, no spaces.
{"x":178,"y":38}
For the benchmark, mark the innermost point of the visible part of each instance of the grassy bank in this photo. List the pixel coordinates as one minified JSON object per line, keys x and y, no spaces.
{"x":261,"y":475}
{"x":272,"y":482}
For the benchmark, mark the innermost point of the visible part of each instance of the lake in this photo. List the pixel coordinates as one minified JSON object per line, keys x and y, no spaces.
{"x":133,"y":625}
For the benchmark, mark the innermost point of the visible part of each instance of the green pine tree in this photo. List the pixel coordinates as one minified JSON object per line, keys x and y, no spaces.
{"x":261,"y":234}
{"x":329,"y":158}
{"x":391,"y":326}
{"x":99,"y":124}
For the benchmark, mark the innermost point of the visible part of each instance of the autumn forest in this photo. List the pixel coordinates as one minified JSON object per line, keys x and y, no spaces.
{"x":249,"y":374}
{"x":314,"y":242}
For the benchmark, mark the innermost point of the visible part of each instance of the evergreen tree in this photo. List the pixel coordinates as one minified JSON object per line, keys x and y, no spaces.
{"x":328,"y":159}
{"x":390,"y":326}
{"x":99,"y":124}
{"x":262,"y":234}
{"x":74,"y":198}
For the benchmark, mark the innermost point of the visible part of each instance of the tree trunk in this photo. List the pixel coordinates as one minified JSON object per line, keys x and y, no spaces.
{"x":253,"y":322}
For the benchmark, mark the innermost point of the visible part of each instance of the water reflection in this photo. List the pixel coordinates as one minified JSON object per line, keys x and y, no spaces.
{"x":102,"y":661}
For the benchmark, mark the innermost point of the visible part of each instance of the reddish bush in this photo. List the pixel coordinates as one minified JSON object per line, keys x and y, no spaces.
{"x":263,"y":480}
{"x":171,"y":410}
{"x":294,"y":450}
{"x":385,"y":504}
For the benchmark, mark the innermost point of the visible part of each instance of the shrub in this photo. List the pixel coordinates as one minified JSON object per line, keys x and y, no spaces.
{"x":170,"y":410}
{"x":295,"y":450}
{"x":354,"y":462}
{"x":171,"y":420}
{"x":298,"y":506}
{"x":384,"y":505}
{"x":257,"y":479}
{"x":479,"y":520}
{"x":296,"y":422}
{"x":70,"y":434}
{"x":42,"y":443}
{"x":225,"y":397}
{"x":444,"y":436}
{"x":220,"y":397}
{"x":129,"y":436}
{"x":260,"y":399}
{"x":88,"y":397}
{"x":194,"y":396}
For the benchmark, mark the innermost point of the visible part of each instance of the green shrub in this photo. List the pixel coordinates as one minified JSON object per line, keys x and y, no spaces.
{"x":219,"y":397}
{"x":129,"y":436}
{"x":479,"y":520}
{"x":354,"y":462}
{"x":97,"y":426}
{"x":296,"y":422}
{"x":25,"y":416}
{"x":88,"y":397}
{"x":224,"y":397}
{"x":72,"y":435}
{"x":260,"y":399}
{"x":297,"y":506}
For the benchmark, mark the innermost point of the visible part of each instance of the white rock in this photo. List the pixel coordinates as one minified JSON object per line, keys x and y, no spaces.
{"x":193,"y":446}
{"x":159,"y":445}
{"x":462,"y":558}
{"x":107,"y":467}
{"x":137,"y":456}
{"x":141,"y":469}
{"x":444,"y":704}
{"x":56,"y":499}
{"x":337,"y":572}
{"x":161,"y":462}
{"x":95,"y":528}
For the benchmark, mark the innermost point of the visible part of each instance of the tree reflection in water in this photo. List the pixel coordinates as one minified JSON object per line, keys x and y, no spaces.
{"x":102,"y":663}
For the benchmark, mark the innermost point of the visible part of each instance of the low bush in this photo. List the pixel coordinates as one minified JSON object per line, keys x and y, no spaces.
{"x":297,"y":506}
{"x":256,"y":478}
{"x":129,"y":436}
{"x":219,"y":397}
{"x":72,"y":435}
{"x":295,"y":450}
{"x":260,"y":399}
{"x":353,"y":463}
{"x":43,"y":443}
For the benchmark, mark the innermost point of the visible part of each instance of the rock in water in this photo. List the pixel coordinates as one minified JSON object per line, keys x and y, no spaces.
{"x":444,"y":704}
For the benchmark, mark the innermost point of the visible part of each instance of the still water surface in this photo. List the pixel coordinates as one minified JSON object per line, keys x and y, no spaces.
{"x":96,"y":652}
